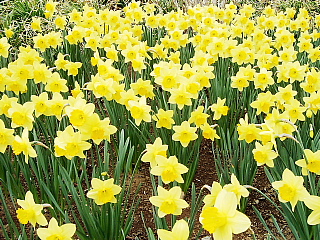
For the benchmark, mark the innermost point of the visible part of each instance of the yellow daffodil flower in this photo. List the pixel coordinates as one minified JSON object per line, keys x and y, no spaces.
{"x":103,"y":191}
{"x":164,"y":118}
{"x":248,"y":132}
{"x":223,"y":219}
{"x":264,"y":154}
{"x":198,"y":117}
{"x":23,"y":145}
{"x":54,"y":231}
{"x":313,"y":202}
{"x":153,"y":150}
{"x":180,"y":231}
{"x":139,"y":110}
{"x":4,"y":47}
{"x":184,"y":133}
{"x":169,"y":201}
{"x":30,"y":211}
{"x":312,"y":163}
{"x":70,"y":144}
{"x":22,"y":115}
{"x":169,"y":169}
{"x":290,"y":188}
{"x":236,"y":188}
{"x":209,"y":132}
{"x":6,"y":137}
{"x":97,"y":129}
{"x":210,"y":199}
{"x":219,"y":109}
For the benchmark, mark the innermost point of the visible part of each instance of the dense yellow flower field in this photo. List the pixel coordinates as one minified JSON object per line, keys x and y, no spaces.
{"x":103,"y":90}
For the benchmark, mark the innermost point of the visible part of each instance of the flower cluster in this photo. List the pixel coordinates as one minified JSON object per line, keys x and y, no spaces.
{"x":32,"y":212}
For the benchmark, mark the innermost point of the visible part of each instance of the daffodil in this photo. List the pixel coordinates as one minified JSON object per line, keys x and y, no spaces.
{"x":4,"y":78}
{"x":56,"y":84}
{"x":4,"y":47}
{"x":6,"y":103}
{"x":22,"y":115}
{"x":180,"y":231}
{"x":54,"y":39}
{"x":70,"y":144}
{"x":112,"y":52}
{"x":41,"y":73}
{"x":239,"y":81}
{"x":30,"y":211}
{"x":127,"y":96}
{"x":93,"y":42}
{"x":79,"y":111}
{"x":236,"y":188}
{"x":73,"y":68}
{"x":40,"y":42}
{"x":295,"y":111}
{"x":103,"y":191}
{"x":192,"y":85}
{"x":75,"y":16}
{"x":248,"y":132}
{"x":184,"y":133}
{"x":131,"y":53}
{"x":97,"y":129}
{"x":313,"y":202}
{"x":6,"y":137}
{"x":77,"y":91}
{"x":210,"y":199}
{"x":23,"y":145}
{"x":290,"y":188}
{"x":29,"y":56}
{"x":41,"y":104}
{"x":169,"y":169}
{"x":223,"y":219}
{"x":36,"y":24}
{"x":219,"y":109}
{"x":264,"y":102}
{"x":164,"y":118}
{"x":56,"y":105}
{"x":240,"y":55}
{"x":285,"y":95}
{"x":51,"y":6}
{"x":61,"y":22}
{"x":153,"y":150}
{"x":8,"y":32}
{"x":311,"y":163}
{"x":169,"y":201}
{"x":263,"y":79}
{"x":209,"y":132}
{"x":140,"y":110}
{"x":60,"y":63}
{"x":180,"y":96}
{"x":102,"y":87}
{"x":198,"y":117}
{"x":143,"y":88}
{"x":20,"y":71}
{"x":54,"y":231}
{"x":264,"y":154}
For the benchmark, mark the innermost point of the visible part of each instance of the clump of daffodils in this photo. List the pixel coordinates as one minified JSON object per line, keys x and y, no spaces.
{"x":164,"y":84}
